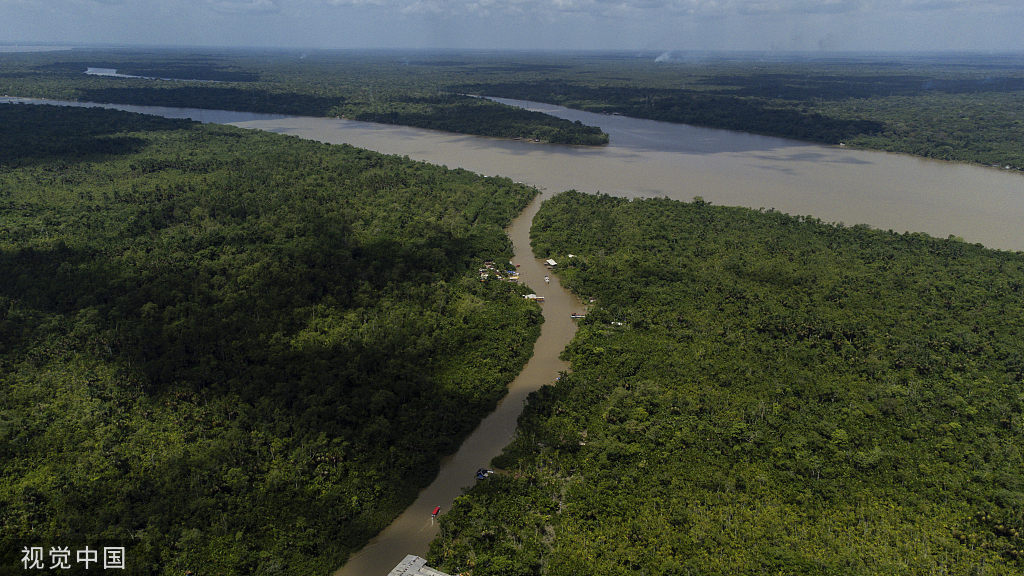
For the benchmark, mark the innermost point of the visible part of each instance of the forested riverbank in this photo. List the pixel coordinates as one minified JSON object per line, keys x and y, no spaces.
{"x":233,"y":351}
{"x":755,"y":392}
{"x":961,"y":108}
{"x":367,"y":86}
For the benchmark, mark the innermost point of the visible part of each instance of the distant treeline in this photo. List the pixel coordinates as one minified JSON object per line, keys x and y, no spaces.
{"x":188,"y":67}
{"x":231,"y":351}
{"x":260,"y":87}
{"x":213,"y":97}
{"x":759,"y":393}
{"x":952,"y":108}
{"x":958,"y":109}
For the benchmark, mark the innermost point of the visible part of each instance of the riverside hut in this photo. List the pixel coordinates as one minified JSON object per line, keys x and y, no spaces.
{"x":414,"y":566}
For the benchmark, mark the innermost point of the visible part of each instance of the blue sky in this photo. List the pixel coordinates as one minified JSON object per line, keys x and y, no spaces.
{"x":658,"y":25}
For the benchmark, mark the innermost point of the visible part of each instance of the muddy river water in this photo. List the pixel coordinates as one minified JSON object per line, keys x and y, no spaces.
{"x":647,"y":159}
{"x":413,"y":530}
{"x":654,"y":159}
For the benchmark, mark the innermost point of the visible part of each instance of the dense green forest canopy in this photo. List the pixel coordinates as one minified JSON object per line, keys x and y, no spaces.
{"x":759,"y":393}
{"x":251,"y":350}
{"x":370,"y":86}
{"x":953,"y":107}
{"x":961,"y":108}
{"x":236,"y":352}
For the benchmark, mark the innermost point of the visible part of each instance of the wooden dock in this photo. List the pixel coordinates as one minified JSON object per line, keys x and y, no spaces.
{"x":414,"y":566}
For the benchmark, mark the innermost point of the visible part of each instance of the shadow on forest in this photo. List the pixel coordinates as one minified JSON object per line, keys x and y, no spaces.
{"x":280,"y":343}
{"x":236,"y":353}
{"x":369,"y":391}
{"x":216,"y":98}
{"x":30,"y":133}
{"x":211,"y":324}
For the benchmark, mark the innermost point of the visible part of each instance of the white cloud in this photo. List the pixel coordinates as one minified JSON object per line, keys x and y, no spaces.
{"x":251,"y":7}
{"x":358,"y":3}
{"x":653,"y":24}
{"x":705,"y":8}
{"x":427,"y":7}
{"x":931,"y":4}
{"x":976,"y":6}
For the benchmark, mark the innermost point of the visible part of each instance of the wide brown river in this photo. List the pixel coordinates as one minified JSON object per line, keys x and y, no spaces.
{"x":654,"y":159}
{"x":647,"y":159}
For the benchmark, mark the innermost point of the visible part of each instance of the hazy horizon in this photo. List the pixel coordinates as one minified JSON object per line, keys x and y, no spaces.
{"x":780,"y":26}
{"x":660,"y":55}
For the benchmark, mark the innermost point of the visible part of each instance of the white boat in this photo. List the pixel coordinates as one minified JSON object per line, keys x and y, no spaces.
{"x":546,"y":279}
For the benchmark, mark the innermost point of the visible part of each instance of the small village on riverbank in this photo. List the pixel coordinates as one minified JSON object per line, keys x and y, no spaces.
{"x":490,"y":271}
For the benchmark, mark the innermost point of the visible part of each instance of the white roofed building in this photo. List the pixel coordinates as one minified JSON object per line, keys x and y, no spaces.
{"x":414,"y":566}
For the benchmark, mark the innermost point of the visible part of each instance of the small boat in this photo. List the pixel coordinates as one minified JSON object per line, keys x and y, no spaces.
{"x":575,"y":315}
{"x":546,"y":279}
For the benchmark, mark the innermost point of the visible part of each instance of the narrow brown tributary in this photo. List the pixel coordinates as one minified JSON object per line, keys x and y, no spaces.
{"x":413,"y":530}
